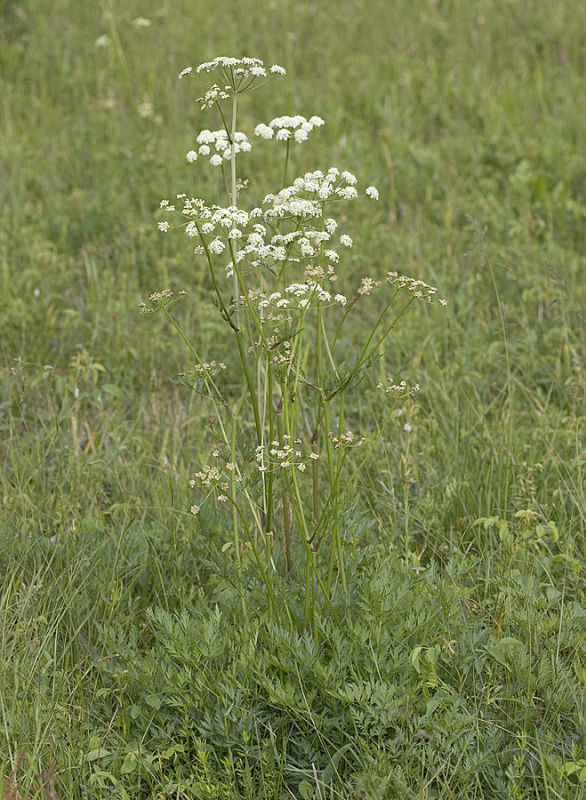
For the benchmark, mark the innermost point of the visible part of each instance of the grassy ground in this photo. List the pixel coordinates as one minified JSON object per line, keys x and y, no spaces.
{"x":456,"y":668}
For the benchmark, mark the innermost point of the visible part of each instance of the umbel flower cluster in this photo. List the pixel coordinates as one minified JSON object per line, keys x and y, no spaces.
{"x":283,"y":128}
{"x":274,"y":266}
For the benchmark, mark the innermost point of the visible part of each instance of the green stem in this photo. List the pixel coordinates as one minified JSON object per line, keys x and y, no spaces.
{"x":286,"y":162}
{"x":263,"y":572}
{"x":240,"y":283}
{"x":286,"y":510}
{"x":233,"y":487}
{"x":270,"y":476}
{"x":233,"y":184}
{"x":250,"y":384}
{"x":225,"y":312}
{"x":340,"y":461}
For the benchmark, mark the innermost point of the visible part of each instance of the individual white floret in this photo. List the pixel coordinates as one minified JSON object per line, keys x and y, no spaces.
{"x":298,"y":289}
{"x":347,"y":192}
{"x":305,"y":246}
{"x":216,"y":160}
{"x":217,"y":246}
{"x":206,"y":137}
{"x":255,"y":240}
{"x":349,"y":178}
{"x":372,"y":192}
{"x":191,"y":156}
{"x":346,"y":240}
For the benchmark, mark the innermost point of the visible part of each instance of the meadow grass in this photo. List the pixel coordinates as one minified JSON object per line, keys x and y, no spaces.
{"x":455,"y":667}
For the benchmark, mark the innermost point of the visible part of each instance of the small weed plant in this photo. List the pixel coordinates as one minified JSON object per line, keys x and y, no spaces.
{"x":283,"y":458}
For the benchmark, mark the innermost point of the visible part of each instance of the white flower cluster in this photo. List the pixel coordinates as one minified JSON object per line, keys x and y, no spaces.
{"x":297,"y":127}
{"x":218,"y":141}
{"x":204,"y":221}
{"x":305,"y":196}
{"x":301,"y":246}
{"x":256,"y":245}
{"x":302,"y":294}
{"x":239,"y":74}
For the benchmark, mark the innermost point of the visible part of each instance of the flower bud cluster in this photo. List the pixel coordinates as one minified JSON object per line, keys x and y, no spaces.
{"x":418,"y":288}
{"x":398,"y":390}
{"x":297,"y":127}
{"x":284,"y":455}
{"x":207,"y":368}
{"x":216,"y":478}
{"x":160,"y":299}
{"x":346,"y":440}
{"x":367,"y":286}
{"x":213,"y":95}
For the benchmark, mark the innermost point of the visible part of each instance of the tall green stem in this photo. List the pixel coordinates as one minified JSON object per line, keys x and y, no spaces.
{"x":233,"y":197}
{"x":270,"y":476}
{"x":286,"y":162}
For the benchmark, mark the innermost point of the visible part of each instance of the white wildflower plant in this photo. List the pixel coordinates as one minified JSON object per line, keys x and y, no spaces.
{"x":275,"y":267}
